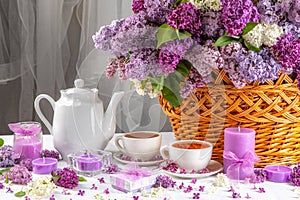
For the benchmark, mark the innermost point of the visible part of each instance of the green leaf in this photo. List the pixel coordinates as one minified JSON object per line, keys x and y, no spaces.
{"x":4,"y":170}
{"x":177,"y":2}
{"x":165,"y":33}
{"x":20,"y":194}
{"x":1,"y":142}
{"x":251,"y":47}
{"x":249,"y":26}
{"x":171,"y":97}
{"x":225,"y":40}
{"x":184,"y":67}
{"x":6,"y":179}
{"x":81,"y":179}
{"x":182,"y":35}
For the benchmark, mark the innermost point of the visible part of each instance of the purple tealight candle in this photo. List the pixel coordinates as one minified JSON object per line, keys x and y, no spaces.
{"x":44,"y":165}
{"x":89,"y":162}
{"x":278,"y":173}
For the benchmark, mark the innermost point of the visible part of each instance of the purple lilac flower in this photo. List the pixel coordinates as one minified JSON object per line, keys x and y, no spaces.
{"x":103,"y":38}
{"x":210,"y":24}
{"x":52,"y":197}
{"x":27,"y":198}
{"x":259,"y":176}
{"x":9,"y":190}
{"x":81,"y":192}
{"x":101,"y":180}
{"x":231,"y":189}
{"x":112,"y":169}
{"x":169,"y":166}
{"x":287,"y":50}
{"x":258,"y":66}
{"x":142,"y":64}
{"x":205,"y":59}
{"x":7,"y":157}
{"x":292,"y":8}
{"x":201,"y":188}
{"x":135,"y":197}
{"x":262,"y":190}
{"x":186,"y":17}
{"x":193,"y":180}
{"x":138,"y":5}
{"x":247,"y":196}
{"x":181,"y":186}
{"x":188,"y":189}
{"x":158,"y":10}
{"x":67,"y":178}
{"x":235,"y":14}
{"x":164,"y":181}
{"x":27,"y":163}
{"x":50,"y":154}
{"x":269,"y":12}
{"x":172,"y":52}
{"x":1,"y":186}
{"x":193,"y":81}
{"x":18,"y":175}
{"x":94,"y":187}
{"x":182,"y":171}
{"x":236,"y":195}
{"x":290,"y":28}
{"x":295,"y":176}
{"x":204,"y":171}
{"x":196,"y":195}
{"x":229,"y":53}
{"x":106,"y":191}
{"x":116,"y":65}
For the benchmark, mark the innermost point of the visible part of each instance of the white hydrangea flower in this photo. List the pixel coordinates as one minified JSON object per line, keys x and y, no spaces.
{"x":255,"y":36}
{"x":208,"y":5}
{"x":40,"y":188}
{"x":271,"y":33}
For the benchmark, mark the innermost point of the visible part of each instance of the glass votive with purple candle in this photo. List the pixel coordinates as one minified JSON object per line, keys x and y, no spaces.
{"x":27,"y":139}
{"x":90,"y":163}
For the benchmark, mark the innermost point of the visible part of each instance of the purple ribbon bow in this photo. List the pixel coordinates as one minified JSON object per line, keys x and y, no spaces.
{"x":25,"y":128}
{"x":134,"y":172}
{"x":238,"y":165}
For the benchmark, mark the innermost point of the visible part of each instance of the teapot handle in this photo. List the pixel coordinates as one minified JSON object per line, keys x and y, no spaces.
{"x":39,"y":112}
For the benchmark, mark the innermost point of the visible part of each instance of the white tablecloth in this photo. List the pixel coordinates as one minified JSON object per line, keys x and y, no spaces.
{"x":274,"y":191}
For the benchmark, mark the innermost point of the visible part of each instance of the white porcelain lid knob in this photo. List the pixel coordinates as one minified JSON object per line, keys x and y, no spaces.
{"x":79,"y":83}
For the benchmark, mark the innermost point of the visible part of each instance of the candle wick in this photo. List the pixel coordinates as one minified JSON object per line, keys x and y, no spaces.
{"x":239,"y":129}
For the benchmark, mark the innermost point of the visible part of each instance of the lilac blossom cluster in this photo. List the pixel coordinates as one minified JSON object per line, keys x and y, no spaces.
{"x":50,"y":154}
{"x":164,"y":181}
{"x":66,"y":178}
{"x":7,"y":157}
{"x":27,"y":163}
{"x":18,"y":175}
{"x":259,"y":176}
{"x":163,"y":35}
{"x":295,"y":176}
{"x":236,"y":14}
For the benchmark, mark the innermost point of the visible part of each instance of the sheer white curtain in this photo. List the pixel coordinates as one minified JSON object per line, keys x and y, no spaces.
{"x":46,"y":44}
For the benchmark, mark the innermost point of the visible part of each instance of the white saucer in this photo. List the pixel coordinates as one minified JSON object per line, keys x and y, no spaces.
{"x":213,"y":166}
{"x":118,"y":157}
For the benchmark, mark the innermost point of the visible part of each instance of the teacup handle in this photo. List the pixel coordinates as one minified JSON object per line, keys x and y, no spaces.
{"x":117,"y":142}
{"x":164,"y":151}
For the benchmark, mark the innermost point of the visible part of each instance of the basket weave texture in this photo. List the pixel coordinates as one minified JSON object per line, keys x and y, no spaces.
{"x":271,"y":109}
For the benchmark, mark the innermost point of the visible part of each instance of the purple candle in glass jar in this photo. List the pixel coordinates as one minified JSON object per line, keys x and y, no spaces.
{"x":278,"y":173}
{"x":89,"y":162}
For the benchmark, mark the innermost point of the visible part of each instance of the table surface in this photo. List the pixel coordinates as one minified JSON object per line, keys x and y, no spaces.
{"x":274,"y":191}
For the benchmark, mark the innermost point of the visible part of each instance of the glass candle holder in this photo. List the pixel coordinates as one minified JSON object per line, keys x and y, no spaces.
{"x":27,"y":143}
{"x":90,"y":163}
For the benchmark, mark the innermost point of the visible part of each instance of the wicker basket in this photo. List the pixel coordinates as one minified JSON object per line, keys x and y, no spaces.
{"x":272,"y":109}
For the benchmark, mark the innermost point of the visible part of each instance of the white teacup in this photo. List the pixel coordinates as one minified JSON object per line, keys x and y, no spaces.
{"x":142,"y":145}
{"x":188,"y":154}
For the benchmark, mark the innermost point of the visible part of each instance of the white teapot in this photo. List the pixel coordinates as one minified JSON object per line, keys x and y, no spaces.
{"x":79,"y":121}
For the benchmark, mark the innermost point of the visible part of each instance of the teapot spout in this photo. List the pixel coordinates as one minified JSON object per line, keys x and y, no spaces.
{"x":109,"y":121}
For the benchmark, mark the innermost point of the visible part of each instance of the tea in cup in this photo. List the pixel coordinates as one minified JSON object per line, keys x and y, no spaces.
{"x":143,"y":145}
{"x":188,"y":154}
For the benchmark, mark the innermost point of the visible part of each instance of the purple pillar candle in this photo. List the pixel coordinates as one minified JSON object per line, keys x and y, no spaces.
{"x":239,"y":141}
{"x":278,"y":173}
{"x":89,"y":162}
{"x":44,"y":165}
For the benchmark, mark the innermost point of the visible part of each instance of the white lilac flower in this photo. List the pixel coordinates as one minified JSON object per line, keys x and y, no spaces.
{"x":221,"y":180}
{"x":41,"y":188}
{"x":271,"y":33}
{"x":255,"y":36}
{"x":208,"y":5}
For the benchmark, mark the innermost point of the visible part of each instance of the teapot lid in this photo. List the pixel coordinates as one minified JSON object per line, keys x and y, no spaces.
{"x":79,"y":88}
